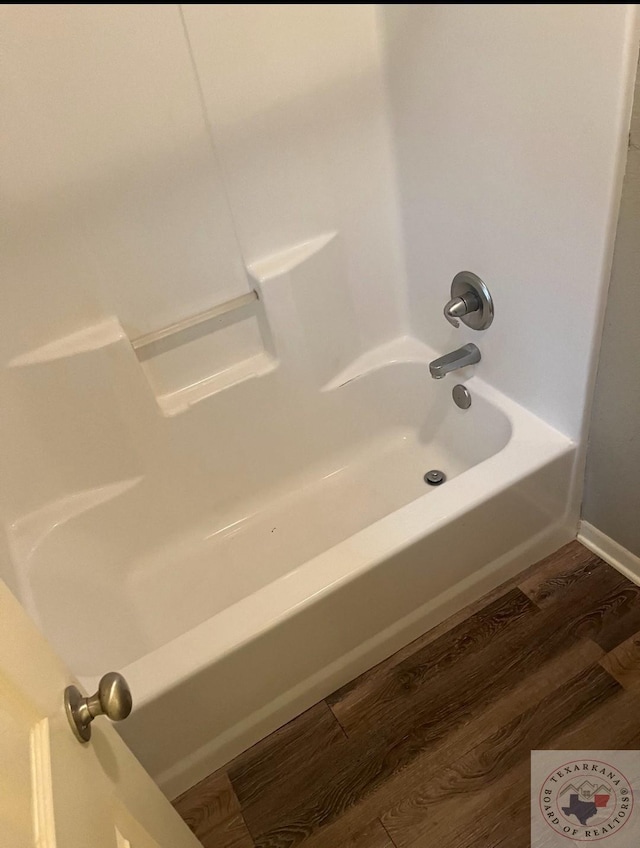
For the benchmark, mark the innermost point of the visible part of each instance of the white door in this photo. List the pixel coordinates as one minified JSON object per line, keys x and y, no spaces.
{"x":54,"y":791}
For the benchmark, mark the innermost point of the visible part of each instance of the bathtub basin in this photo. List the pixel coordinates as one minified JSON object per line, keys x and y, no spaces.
{"x":261,"y":567}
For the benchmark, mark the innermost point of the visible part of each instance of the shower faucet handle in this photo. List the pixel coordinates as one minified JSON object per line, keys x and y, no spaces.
{"x":470,"y":301}
{"x":462,"y":305}
{"x":112,"y":699}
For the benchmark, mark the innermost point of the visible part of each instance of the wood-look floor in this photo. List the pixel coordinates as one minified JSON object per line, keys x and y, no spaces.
{"x":432,"y":746}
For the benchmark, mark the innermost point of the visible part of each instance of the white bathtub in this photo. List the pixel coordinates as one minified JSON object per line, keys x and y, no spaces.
{"x":242,"y":545}
{"x":318,"y":550}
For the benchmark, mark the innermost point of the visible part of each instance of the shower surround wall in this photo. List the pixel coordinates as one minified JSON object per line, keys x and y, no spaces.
{"x":510,"y":126}
{"x":296,"y":99}
{"x":253,"y":489}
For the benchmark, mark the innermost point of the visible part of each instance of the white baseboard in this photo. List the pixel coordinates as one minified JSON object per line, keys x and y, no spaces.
{"x":610,"y":551}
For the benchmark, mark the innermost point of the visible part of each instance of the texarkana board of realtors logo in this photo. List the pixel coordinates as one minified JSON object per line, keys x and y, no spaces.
{"x":585,"y":796}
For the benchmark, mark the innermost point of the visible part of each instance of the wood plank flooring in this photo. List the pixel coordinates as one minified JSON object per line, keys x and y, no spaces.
{"x":432,"y":746}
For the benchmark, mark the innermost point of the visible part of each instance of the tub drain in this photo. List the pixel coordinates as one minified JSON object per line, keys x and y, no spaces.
{"x":435,"y":477}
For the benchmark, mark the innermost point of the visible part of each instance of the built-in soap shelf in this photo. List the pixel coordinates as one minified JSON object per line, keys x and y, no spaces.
{"x":205,"y":353}
{"x":182,"y":363}
{"x":180,"y":400}
{"x":298,"y":302}
{"x":170,"y":334}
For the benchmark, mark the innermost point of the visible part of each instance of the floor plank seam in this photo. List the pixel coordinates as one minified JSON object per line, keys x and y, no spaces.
{"x":536,"y":603}
{"x":252,"y":836}
{"x":387,"y":832}
{"x":346,"y":735}
{"x":246,"y":826}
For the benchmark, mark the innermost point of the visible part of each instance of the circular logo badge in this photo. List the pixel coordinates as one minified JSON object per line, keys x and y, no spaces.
{"x":586,"y":800}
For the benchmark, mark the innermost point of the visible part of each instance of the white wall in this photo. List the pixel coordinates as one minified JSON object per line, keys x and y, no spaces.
{"x":108,"y":165}
{"x":113,"y":197}
{"x":510,"y":123}
{"x":295,"y":96}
